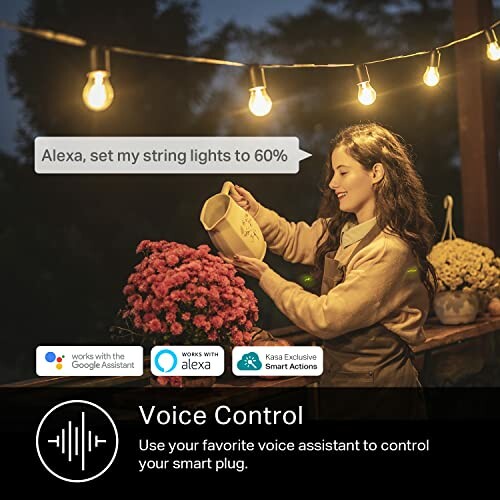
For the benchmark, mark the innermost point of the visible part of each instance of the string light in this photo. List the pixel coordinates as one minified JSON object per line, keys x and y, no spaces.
{"x":259,"y":103}
{"x":431,"y":75}
{"x":366,"y":93}
{"x":492,"y":48}
{"x":98,"y":93}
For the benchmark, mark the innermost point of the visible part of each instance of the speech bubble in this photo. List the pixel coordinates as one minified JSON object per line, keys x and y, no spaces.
{"x":168,"y":155}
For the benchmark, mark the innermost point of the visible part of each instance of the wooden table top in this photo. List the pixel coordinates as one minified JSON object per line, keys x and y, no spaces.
{"x":438,"y":336}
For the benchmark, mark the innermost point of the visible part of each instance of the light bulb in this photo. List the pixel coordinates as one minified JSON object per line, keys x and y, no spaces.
{"x":366,"y":93}
{"x":98,"y":93}
{"x":260,"y":103}
{"x":493,"y":51}
{"x":492,"y":48}
{"x":431,"y":76}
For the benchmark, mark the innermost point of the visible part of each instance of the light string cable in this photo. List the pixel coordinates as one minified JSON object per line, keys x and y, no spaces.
{"x":98,"y":93}
{"x":80,"y":42}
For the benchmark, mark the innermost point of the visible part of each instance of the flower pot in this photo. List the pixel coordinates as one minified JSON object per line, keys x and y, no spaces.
{"x":455,"y":308}
{"x":195,"y":382}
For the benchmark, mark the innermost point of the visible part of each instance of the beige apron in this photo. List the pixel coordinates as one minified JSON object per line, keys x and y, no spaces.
{"x":368,"y":357}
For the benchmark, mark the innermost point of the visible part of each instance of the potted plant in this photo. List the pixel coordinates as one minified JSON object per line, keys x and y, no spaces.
{"x":183,"y":295}
{"x":468,"y":278}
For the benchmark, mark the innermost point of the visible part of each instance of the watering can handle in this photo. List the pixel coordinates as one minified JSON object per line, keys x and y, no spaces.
{"x":226,"y":187}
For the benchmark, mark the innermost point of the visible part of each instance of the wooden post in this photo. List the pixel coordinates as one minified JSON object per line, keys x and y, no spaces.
{"x":477,"y":127}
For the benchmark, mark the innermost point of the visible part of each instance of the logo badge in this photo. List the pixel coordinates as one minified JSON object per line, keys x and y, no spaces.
{"x":77,"y":441}
{"x":51,"y":357}
{"x":168,"y":360}
{"x":250,"y":361}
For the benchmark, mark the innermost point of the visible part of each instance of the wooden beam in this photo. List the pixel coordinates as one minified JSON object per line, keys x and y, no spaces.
{"x":477,"y":128}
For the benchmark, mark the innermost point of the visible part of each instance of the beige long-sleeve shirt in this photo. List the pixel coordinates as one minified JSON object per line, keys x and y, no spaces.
{"x":382,"y":283}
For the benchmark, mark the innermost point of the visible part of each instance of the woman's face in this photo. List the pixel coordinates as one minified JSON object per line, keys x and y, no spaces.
{"x":353,"y":185}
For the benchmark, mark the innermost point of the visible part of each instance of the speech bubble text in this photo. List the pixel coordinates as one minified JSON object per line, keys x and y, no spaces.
{"x":168,"y":155}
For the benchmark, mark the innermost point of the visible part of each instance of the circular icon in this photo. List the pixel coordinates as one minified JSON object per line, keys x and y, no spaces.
{"x":159,"y":366}
{"x":77,"y":441}
{"x":50,"y":356}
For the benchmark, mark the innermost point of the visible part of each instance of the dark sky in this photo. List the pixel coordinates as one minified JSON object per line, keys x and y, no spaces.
{"x":212,"y":14}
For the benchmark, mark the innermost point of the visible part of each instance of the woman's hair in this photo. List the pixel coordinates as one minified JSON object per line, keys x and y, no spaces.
{"x":400,"y":198}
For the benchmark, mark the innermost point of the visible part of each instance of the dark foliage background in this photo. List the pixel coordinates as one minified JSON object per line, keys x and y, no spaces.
{"x":68,"y":242}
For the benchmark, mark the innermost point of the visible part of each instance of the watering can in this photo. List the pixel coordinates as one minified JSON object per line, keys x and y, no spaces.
{"x":231,"y":228}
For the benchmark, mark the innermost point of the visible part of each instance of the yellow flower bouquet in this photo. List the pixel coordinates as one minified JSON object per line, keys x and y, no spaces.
{"x":463,"y":265}
{"x":468,"y":275}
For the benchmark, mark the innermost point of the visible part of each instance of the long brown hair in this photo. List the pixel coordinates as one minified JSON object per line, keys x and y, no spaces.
{"x":400,"y":199}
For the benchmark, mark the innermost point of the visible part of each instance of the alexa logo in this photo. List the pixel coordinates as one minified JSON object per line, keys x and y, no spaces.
{"x":77,"y":441}
{"x":165,"y":360}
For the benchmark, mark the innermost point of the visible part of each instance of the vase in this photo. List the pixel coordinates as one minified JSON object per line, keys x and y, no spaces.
{"x":455,"y":308}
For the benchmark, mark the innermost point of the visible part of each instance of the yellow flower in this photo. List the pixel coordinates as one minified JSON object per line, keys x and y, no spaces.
{"x":465,"y":265}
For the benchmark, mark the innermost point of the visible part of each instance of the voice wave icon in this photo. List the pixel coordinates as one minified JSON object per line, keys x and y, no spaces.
{"x":69,"y":444}
{"x":75,"y":451}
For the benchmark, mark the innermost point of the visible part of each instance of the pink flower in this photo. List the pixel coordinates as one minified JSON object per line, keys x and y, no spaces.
{"x":188,"y":294}
{"x":171,"y":316}
{"x":199,"y":320}
{"x":170,"y":381}
{"x":217,"y":321}
{"x":238,"y":338}
{"x":176,"y":328}
{"x":154,"y":325}
{"x":201,"y":302}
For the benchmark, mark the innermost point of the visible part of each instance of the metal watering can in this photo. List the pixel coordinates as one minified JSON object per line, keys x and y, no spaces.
{"x":231,"y":228}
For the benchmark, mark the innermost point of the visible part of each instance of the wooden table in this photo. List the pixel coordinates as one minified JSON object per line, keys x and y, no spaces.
{"x":442,"y":338}
{"x":439,"y":338}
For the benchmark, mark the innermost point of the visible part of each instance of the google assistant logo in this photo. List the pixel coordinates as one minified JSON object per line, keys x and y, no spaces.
{"x":51,"y":357}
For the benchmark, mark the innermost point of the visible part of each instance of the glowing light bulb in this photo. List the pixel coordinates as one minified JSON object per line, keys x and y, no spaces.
{"x":493,"y":51}
{"x":98,"y":93}
{"x":366,"y":93}
{"x":431,"y":75}
{"x":259,"y":103}
{"x":492,"y":48}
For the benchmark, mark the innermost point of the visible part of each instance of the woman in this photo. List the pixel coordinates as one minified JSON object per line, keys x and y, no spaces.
{"x":370,"y":244}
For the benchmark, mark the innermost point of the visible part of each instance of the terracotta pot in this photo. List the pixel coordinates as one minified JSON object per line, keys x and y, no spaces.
{"x":455,"y":308}
{"x":494,"y":307}
{"x":187,"y":382}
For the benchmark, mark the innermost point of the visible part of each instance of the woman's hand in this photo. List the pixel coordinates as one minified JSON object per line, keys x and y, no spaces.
{"x":247,"y":265}
{"x":244,"y":199}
